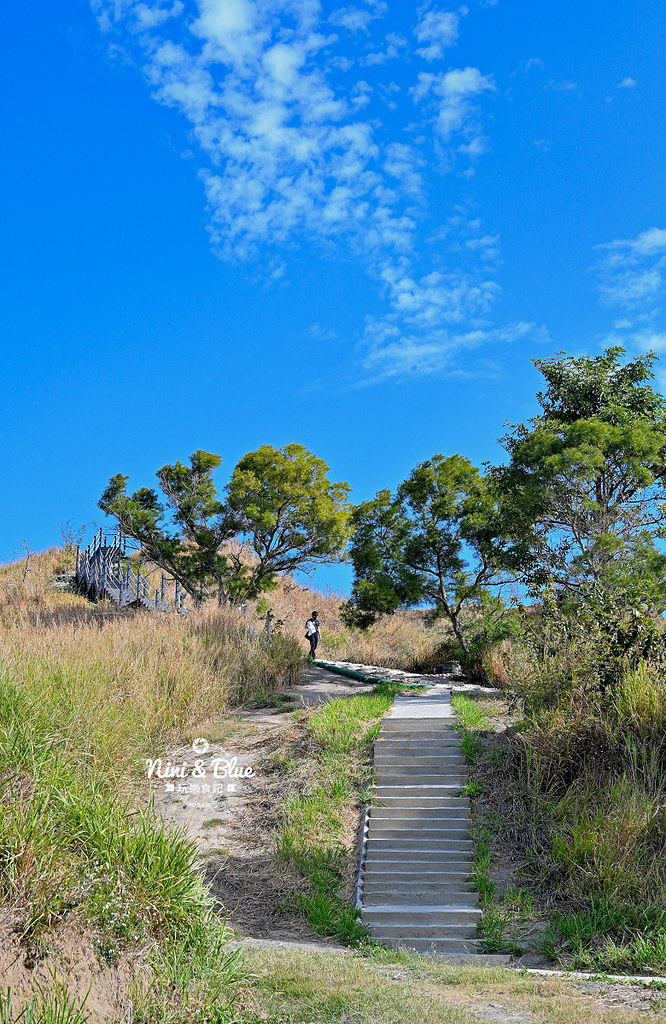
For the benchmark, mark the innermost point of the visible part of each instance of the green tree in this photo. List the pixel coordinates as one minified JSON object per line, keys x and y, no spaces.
{"x":287,"y":512}
{"x":584,"y":487}
{"x":279,"y":512}
{"x":438,"y":540}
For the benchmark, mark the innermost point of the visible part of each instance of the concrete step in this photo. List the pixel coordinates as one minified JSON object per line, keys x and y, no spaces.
{"x":399,"y":806}
{"x":407,"y":930}
{"x":411,"y":743}
{"x":427,"y":845}
{"x":389,"y":748}
{"x":438,"y":835}
{"x":412,"y":767}
{"x":443,"y":914}
{"x":393,"y":777}
{"x":443,"y":795}
{"x":427,"y":819}
{"x":385,"y":873}
{"x":401,"y":760}
{"x":444,"y":946}
{"x":376,"y":895}
{"x":447,"y":820}
{"x":417,"y":861}
{"x":417,"y":744}
{"x":424,"y":726}
{"x":417,"y":790}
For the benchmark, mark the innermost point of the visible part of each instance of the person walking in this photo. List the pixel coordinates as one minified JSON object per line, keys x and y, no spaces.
{"x":313,"y":633}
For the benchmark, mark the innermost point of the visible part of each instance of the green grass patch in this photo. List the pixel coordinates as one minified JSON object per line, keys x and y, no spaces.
{"x":70,"y":843}
{"x":312,"y":823}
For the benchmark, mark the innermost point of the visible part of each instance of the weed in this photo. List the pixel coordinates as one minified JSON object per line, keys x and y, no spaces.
{"x":309,"y":836}
{"x":471,"y":714}
{"x":470,"y":746}
{"x":54,"y":1006}
{"x":493,"y":926}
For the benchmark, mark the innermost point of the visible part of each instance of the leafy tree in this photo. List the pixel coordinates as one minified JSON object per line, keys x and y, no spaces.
{"x":437,"y":540}
{"x":584,"y":488}
{"x":279,"y":503}
{"x":287,"y":511}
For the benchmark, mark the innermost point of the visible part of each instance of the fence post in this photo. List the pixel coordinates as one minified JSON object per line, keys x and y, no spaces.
{"x":177,"y":595}
{"x":157,"y":596}
{"x":163,"y":586}
{"x":269,"y":623}
{"x":138,"y":584}
{"x":105,"y":569}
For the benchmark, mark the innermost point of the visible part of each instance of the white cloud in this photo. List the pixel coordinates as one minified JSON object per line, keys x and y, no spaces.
{"x":393,"y":355}
{"x":286,"y":151}
{"x":395,"y":43}
{"x":632,"y":271}
{"x":438,"y":30}
{"x":452,"y":96}
{"x":627,"y":83}
{"x":631,"y":275}
{"x":565,"y":85}
{"x":357,"y":19}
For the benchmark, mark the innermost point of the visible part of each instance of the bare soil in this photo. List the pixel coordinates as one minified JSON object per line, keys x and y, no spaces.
{"x":233,"y":820}
{"x":73,"y":955}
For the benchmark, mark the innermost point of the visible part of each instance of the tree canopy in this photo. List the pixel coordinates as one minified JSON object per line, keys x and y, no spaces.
{"x":584,"y":486}
{"x":279,"y":505}
{"x":437,"y":540}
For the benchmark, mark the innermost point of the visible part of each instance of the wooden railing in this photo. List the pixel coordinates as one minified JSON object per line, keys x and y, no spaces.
{"x":104,"y":569}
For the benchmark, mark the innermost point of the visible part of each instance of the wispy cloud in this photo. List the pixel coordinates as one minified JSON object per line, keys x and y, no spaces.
{"x":357,"y":19}
{"x":631,"y":277}
{"x":451,"y":96}
{"x":631,"y":271}
{"x":437,"y":31}
{"x":284,"y":107}
{"x":563,"y":85}
{"x":627,"y":83}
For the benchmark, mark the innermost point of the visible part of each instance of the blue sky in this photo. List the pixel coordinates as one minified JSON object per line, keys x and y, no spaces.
{"x":232,"y":222}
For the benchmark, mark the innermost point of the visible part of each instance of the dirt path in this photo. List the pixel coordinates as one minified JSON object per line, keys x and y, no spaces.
{"x":227,"y":801}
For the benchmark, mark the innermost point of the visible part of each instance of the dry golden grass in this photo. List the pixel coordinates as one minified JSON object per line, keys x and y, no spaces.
{"x":300,"y":987}
{"x":120,"y":683}
{"x":404,"y":640}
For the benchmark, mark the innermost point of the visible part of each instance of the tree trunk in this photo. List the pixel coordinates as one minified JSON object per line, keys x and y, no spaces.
{"x":454,"y":619}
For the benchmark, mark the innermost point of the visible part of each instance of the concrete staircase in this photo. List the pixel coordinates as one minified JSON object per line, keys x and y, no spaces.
{"x":416,"y":888}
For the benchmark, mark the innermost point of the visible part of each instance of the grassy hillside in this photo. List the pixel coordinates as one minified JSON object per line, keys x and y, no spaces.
{"x":569,"y":801}
{"x":86,"y":694}
{"x":568,"y":790}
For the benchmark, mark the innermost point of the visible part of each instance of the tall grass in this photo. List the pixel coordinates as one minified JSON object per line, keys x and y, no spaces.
{"x":578,"y":790}
{"x":120,"y":685}
{"x":406,"y":640}
{"x":87,"y":692}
